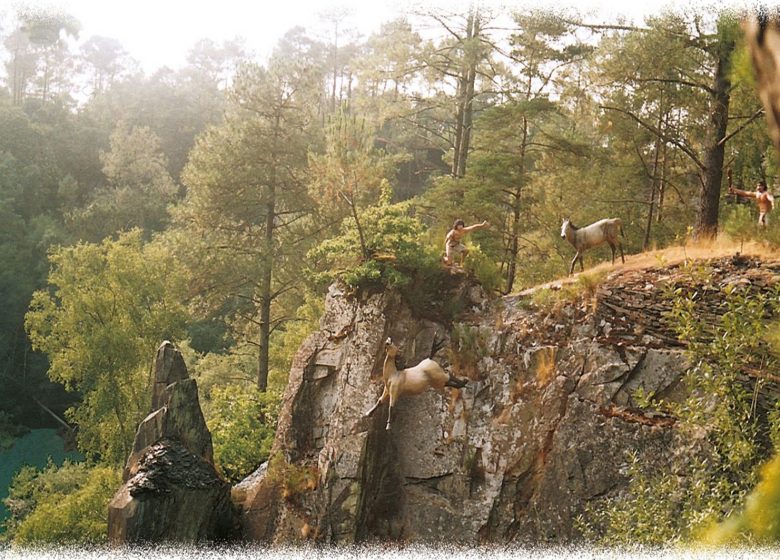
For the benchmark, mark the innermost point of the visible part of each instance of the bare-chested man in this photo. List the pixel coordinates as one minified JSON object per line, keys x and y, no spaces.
{"x":764,"y":199}
{"x":452,"y":242}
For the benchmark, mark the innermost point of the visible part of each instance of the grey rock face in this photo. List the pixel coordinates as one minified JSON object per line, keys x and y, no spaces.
{"x":175,"y":496}
{"x":172,"y":492}
{"x":542,"y":428}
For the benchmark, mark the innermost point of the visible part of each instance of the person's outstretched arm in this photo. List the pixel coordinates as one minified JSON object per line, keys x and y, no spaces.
{"x":476,"y":226}
{"x":739,"y":192}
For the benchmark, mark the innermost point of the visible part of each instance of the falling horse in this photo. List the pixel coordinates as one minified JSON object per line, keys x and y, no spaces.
{"x":410,"y":381}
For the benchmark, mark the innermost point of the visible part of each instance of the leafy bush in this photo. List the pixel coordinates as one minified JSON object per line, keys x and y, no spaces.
{"x":483,"y":268}
{"x":107,"y":309}
{"x":242,"y":421}
{"x":644,"y":519}
{"x":739,"y":222}
{"x":393,"y":237}
{"x":757,"y":523}
{"x":64,"y":506}
{"x":679,"y":502}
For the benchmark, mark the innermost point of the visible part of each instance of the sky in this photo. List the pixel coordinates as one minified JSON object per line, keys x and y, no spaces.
{"x":160,"y":32}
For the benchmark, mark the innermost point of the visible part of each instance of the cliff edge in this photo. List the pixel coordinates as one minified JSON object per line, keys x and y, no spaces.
{"x":542,"y":428}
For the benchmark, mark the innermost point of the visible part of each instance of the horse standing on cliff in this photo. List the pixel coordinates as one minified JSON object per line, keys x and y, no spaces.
{"x":597,"y":233}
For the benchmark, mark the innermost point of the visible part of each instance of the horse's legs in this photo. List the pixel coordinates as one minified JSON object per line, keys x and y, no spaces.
{"x":573,"y":262}
{"x":582,"y":261}
{"x":393,"y":398}
{"x":385,"y":395}
{"x":621,"y":252}
{"x":612,"y":246}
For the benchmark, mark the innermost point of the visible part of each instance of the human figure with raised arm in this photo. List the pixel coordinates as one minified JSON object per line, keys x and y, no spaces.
{"x":452,"y":242}
{"x":764,"y":199}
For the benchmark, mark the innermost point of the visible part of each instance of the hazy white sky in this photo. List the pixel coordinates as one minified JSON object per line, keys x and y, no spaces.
{"x":161,"y":32}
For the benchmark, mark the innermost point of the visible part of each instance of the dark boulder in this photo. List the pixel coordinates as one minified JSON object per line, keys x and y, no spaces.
{"x":172,"y":491}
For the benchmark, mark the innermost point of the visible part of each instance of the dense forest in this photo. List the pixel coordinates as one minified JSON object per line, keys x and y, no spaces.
{"x":214,"y":203}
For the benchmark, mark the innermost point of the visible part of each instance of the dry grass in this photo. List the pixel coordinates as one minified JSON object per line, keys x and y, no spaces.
{"x":720,"y":247}
{"x":545,"y":366}
{"x":723,"y":246}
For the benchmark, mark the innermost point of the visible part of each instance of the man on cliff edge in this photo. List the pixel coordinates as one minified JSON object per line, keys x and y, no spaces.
{"x":452,"y":242}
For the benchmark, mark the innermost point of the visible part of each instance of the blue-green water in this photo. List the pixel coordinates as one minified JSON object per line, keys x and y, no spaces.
{"x":34,"y":448}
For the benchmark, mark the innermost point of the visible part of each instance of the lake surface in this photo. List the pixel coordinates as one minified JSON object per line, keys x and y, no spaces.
{"x":34,"y":448}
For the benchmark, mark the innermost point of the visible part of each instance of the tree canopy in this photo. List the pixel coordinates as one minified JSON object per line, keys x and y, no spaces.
{"x":211,"y":204}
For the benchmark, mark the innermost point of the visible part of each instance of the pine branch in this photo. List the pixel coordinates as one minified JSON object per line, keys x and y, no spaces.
{"x":688,"y":151}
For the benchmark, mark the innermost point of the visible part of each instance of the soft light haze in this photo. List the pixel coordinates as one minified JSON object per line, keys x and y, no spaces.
{"x":160,"y":32}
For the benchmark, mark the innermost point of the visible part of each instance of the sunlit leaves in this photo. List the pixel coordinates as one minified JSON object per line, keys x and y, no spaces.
{"x":108,"y":308}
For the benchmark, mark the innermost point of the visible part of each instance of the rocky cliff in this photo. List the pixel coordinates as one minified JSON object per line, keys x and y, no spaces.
{"x":541,"y":429}
{"x":172,"y":492}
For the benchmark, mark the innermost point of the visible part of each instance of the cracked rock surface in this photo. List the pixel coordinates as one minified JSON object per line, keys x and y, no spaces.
{"x":542,"y":428}
{"x":172,"y":491}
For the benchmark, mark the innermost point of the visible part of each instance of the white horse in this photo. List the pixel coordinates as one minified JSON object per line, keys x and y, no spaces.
{"x":597,"y":233}
{"x":410,"y":381}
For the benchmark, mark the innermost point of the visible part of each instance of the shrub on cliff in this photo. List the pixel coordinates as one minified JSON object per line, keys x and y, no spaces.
{"x":397,"y":256}
{"x":730,"y":362}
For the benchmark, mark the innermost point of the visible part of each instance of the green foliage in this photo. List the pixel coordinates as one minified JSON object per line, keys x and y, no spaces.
{"x":757,"y":523}
{"x":61,"y":506}
{"x":242,"y":421}
{"x":740,"y":223}
{"x":484,"y":269}
{"x":677,"y":503}
{"x":397,"y":258}
{"x":350,"y":172}
{"x":139,"y":188}
{"x":245,"y":221}
{"x":286,"y":341}
{"x":585,"y":287}
{"x":646,"y":517}
{"x":108,"y":308}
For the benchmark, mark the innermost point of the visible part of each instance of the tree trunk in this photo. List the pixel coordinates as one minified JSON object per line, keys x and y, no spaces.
{"x":458,"y":127}
{"x":664,"y":177}
{"x":18,"y":79}
{"x":335,"y":67}
{"x":465,"y":98}
{"x":266,"y":277}
{"x":361,"y":235}
{"x":468,"y":117}
{"x":514,"y":240}
{"x":265,"y":292}
{"x":514,"y":243}
{"x":653,"y":187}
{"x":45,"y":93}
{"x":711,"y":174}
